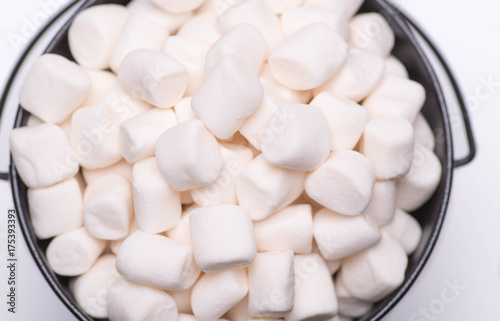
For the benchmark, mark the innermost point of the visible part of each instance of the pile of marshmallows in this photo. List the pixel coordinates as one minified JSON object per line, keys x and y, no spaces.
{"x":225,"y":159}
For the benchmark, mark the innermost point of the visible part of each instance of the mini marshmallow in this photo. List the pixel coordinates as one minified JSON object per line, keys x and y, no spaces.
{"x":90,"y":289}
{"x":54,"y":88}
{"x":42,"y":155}
{"x":244,"y":41}
{"x":183,"y":110}
{"x":396,"y":96}
{"x":222,"y":238}
{"x":346,"y":7}
{"x":202,"y":27}
{"x":343,"y":184}
{"x":137,"y":33}
{"x":346,"y":119}
{"x":289,"y":95}
{"x":271,"y":284}
{"x":393,"y":66}
{"x":297,"y":17}
{"x":107,"y":207}
{"x":157,"y":261}
{"x":73,"y":253}
{"x":279,"y":6}
{"x":314,"y":290}
{"x":388,"y":144}
{"x":178,"y":6}
{"x":289,"y":228}
{"x":405,"y":229}
{"x":121,"y":168}
{"x":423,"y":133}
{"x":181,"y":232}
{"x":214,"y":294}
{"x":101,"y":84}
{"x":263,"y":189}
{"x":348,"y":305}
{"x":374,"y":273}
{"x":188,"y":156}
{"x":383,"y":203}
{"x":229,"y":94}
{"x":339,"y":236}
{"x":149,"y":10}
{"x":138,"y":135}
{"x":157,"y":206}
{"x":128,"y":301}
{"x":55,"y":209}
{"x":370,"y":32}
{"x":92,"y":34}
{"x":309,"y":57}
{"x":359,"y":76}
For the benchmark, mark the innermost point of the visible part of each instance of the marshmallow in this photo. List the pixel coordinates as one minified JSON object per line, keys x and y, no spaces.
{"x":271,"y":284}
{"x":343,"y":184}
{"x":229,"y":94}
{"x":54,"y":88}
{"x":348,"y":305}
{"x":122,"y":106}
{"x":395,"y":67}
{"x":345,"y":118}
{"x":244,"y":41}
{"x":223,"y":189}
{"x":115,"y":245}
{"x":121,"y":168}
{"x":405,"y":229}
{"x":157,"y":261}
{"x":128,"y":301}
{"x":157,"y":206}
{"x":90,"y":289}
{"x":346,"y":7}
{"x":137,"y":33}
{"x":222,"y":238}
{"x":178,"y":6}
{"x":370,"y":32}
{"x":55,"y":209}
{"x":339,"y":236}
{"x":309,"y":57}
{"x":202,"y":27}
{"x":107,"y":207}
{"x":149,"y":10}
{"x":42,"y":155}
{"x":297,"y":17}
{"x":289,"y":136}
{"x":263,"y":189}
{"x":396,"y":96}
{"x":214,"y":294}
{"x":73,"y":253}
{"x":423,"y":133}
{"x":289,"y":228}
{"x":314,"y":291}
{"x":388,"y":144}
{"x":359,"y":76}
{"x":279,"y":6}
{"x":374,"y":273}
{"x":183,"y":110}
{"x":101,"y":84}
{"x":383,"y":203}
{"x":139,"y":134}
{"x":288,"y":95}
{"x":188,"y":156}
{"x":92,"y":34}
{"x":181,"y":232}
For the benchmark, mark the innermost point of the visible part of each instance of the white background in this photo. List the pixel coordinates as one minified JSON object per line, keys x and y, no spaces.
{"x":468,"y":250}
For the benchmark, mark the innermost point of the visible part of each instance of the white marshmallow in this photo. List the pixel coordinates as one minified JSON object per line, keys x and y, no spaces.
{"x":263,"y":189}
{"x":73,"y":253}
{"x":343,"y":184}
{"x":309,"y":57}
{"x":115,"y":245}
{"x":183,"y":110}
{"x":55,"y":209}
{"x":157,"y":206}
{"x":181,"y":232}
{"x":101,"y":84}
{"x":229,"y":94}
{"x":393,"y":66}
{"x":157,"y":261}
{"x":128,"y":301}
{"x":137,"y":33}
{"x":396,"y":96}
{"x":348,"y":305}
{"x":183,"y":301}
{"x":289,"y":228}
{"x":370,"y":32}
{"x":42,"y":155}
{"x":423,"y":133}
{"x":107,"y":207}
{"x":289,"y":95}
{"x":92,"y":34}
{"x":122,"y":106}
{"x":406,"y":229}
{"x":271,"y":284}
{"x":383,"y":203}
{"x":223,"y":189}
{"x":138,"y":135}
{"x":188,"y":156}
{"x":345,"y":118}
{"x":214,"y":294}
{"x":222,"y":238}
{"x":202,"y":27}
{"x":54,"y":88}
{"x":388,"y":143}
{"x":147,"y":9}
{"x":121,"y":168}
{"x":178,"y":6}
{"x":346,"y":7}
{"x":314,"y":290}
{"x":359,"y":76}
{"x":339,"y":236}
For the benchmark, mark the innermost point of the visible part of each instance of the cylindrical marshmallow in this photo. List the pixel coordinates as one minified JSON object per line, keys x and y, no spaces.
{"x":121,"y":168}
{"x":202,"y":27}
{"x":101,"y":84}
{"x":157,"y":261}
{"x":348,"y":305}
{"x":393,"y":66}
{"x":346,"y":7}
{"x":178,"y":6}
{"x":405,"y":229}
{"x":383,"y":203}
{"x":423,"y":133}
{"x":147,"y":9}
{"x":370,"y":32}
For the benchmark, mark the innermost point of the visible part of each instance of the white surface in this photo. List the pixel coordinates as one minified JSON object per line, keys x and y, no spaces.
{"x":467,"y":251}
